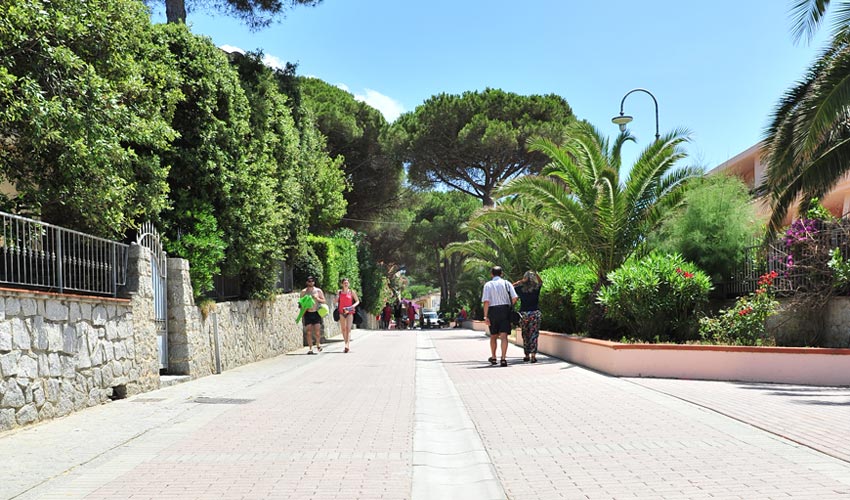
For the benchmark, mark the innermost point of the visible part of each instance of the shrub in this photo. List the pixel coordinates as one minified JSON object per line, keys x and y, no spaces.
{"x":346,"y":252}
{"x":745,"y":322}
{"x":656,"y":298}
{"x":202,"y":245}
{"x":712,"y":227}
{"x":565,"y":296}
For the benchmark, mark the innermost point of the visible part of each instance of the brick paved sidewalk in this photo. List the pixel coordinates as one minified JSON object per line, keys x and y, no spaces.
{"x":555,"y":430}
{"x":354,"y":426}
{"x":818,"y":417}
{"x":333,"y":426}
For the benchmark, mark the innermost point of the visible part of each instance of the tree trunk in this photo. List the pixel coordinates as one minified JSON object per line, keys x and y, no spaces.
{"x":441,"y":273}
{"x":596,"y":324}
{"x":488,"y":199}
{"x":175,"y":11}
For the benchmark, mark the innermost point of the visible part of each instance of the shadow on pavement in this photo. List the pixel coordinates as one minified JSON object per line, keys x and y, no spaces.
{"x":803,"y":394}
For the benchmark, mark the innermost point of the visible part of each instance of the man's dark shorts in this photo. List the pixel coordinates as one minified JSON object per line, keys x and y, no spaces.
{"x":312,"y":318}
{"x":500,"y":319}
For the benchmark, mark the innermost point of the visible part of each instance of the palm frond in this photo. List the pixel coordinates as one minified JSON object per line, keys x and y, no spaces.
{"x":806,"y":17}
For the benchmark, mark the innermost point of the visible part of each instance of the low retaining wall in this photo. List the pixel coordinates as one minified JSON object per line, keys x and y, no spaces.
{"x":786,"y":365}
{"x":61,"y":353}
{"x":247,"y":330}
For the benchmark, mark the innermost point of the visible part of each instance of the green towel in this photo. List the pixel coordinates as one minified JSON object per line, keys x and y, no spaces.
{"x":305,"y":302}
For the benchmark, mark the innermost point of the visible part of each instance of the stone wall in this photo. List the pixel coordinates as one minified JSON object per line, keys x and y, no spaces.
{"x":831,"y":329}
{"x":63,"y":353}
{"x":59,"y":354}
{"x":248,"y":330}
{"x":139,"y":289}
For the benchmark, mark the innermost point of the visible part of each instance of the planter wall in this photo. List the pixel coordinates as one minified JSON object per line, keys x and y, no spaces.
{"x":786,"y":365}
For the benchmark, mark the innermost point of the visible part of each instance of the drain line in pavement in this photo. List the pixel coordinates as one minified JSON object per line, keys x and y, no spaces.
{"x":449,"y":459}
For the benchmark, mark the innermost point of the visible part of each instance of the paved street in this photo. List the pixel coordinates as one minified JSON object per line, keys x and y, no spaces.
{"x":421,"y":415}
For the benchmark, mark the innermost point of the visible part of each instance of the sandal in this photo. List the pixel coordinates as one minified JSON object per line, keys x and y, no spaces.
{"x":492,"y":361}
{"x":319,"y":348}
{"x":504,"y":362}
{"x":310,"y":352}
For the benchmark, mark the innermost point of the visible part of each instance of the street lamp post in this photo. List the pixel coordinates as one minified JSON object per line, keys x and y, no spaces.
{"x":623,"y":119}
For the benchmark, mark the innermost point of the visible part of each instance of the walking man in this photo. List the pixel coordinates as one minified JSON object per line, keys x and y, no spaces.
{"x":498,"y":298}
{"x":312,"y":320}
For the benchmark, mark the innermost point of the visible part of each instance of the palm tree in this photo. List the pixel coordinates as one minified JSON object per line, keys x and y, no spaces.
{"x":809,"y":14}
{"x":513,"y":244}
{"x":580,"y":201}
{"x":806,"y":145}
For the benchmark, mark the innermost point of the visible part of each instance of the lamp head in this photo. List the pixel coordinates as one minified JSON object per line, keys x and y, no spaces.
{"x":622,"y":120}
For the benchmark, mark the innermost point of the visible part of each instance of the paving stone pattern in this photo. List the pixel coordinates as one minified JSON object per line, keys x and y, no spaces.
{"x":339,"y":426}
{"x":366,"y":425}
{"x":555,"y":430}
{"x":803,"y":414}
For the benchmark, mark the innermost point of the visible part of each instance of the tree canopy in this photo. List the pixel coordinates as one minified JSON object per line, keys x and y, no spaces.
{"x":255,"y":14}
{"x":353,"y":130}
{"x":475,"y":141}
{"x":86,"y":100}
{"x":436,"y":224}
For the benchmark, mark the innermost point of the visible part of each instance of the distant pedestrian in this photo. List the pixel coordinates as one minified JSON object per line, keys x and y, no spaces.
{"x":347,"y":303}
{"x":498,"y":298}
{"x":411,"y":315}
{"x":404,"y":320}
{"x":312,"y":320}
{"x":528,"y":290}
{"x":386,"y":316}
{"x":461,"y":317}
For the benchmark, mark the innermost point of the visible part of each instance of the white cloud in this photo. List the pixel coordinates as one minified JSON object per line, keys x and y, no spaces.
{"x":389,"y":107}
{"x":273,"y":62}
{"x":269,"y":60}
{"x":231,"y":48}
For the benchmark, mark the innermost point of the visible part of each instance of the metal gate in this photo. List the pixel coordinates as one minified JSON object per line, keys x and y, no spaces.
{"x":149,"y":238}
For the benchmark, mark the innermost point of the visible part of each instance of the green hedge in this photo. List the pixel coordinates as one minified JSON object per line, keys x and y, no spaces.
{"x":349,"y":267}
{"x":307,"y":263}
{"x":338,"y":257}
{"x":565,"y":296}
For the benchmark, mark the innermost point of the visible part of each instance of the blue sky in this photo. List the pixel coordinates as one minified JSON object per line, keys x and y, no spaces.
{"x":716,"y":67}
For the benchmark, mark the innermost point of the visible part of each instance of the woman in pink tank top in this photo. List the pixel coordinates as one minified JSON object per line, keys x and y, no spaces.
{"x":347,"y":302}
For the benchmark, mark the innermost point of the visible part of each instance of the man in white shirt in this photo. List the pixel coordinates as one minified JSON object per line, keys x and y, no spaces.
{"x":498,"y":298}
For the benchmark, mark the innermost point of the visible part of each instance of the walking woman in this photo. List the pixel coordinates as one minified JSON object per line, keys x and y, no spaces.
{"x":528,"y":291}
{"x":347,"y":302}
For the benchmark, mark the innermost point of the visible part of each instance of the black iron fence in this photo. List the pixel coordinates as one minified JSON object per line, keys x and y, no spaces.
{"x":793,"y":261}
{"x":227,"y":288}
{"x":42,"y":256}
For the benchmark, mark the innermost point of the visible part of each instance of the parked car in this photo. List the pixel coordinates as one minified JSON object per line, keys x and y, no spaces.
{"x":430,"y":319}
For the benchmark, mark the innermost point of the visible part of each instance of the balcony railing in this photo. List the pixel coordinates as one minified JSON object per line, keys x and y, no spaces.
{"x":42,"y":256}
